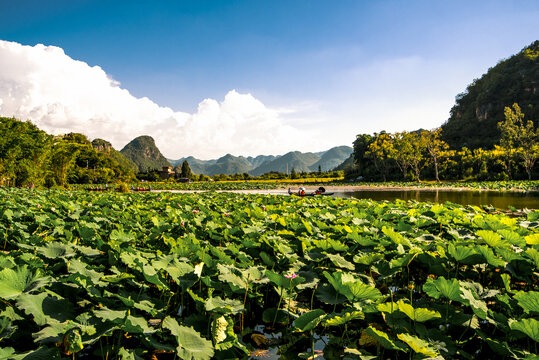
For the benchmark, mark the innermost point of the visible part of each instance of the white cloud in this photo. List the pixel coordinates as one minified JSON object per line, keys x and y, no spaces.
{"x":60,"y":95}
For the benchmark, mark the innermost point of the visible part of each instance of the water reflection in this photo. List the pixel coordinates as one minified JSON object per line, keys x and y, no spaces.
{"x":497,"y":199}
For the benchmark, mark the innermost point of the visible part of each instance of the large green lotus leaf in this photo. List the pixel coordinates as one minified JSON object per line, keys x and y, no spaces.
{"x":152,"y":276}
{"x":384,"y":340}
{"x":418,"y":314}
{"x":116,"y":316}
{"x":361,"y":240}
{"x":223,"y":306}
{"x":327,"y":294}
{"x":447,"y":288}
{"x":489,"y":256}
{"x":532,"y":239}
{"x":529,"y":301}
{"x":191,"y":346}
{"x":6,"y":353}
{"x":368,"y":259}
{"x":479,"y":307}
{"x":396,"y":237}
{"x":342,"y":318}
{"x":45,"y":308}
{"x":119,"y":236}
{"x":529,"y":327}
{"x":513,"y":237}
{"x":357,"y":291}
{"x":418,"y":345}
{"x":534,"y":255}
{"x":18,"y":281}
{"x":76,"y":266}
{"x":42,"y":353}
{"x":340,"y":262}
{"x":309,"y":320}
{"x":492,"y":239}
{"x":463,"y":254}
{"x":56,"y":250}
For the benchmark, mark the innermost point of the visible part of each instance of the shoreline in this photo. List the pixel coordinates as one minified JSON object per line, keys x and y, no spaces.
{"x":352,"y":188}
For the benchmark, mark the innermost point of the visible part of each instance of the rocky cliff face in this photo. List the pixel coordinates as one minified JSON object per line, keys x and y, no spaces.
{"x":102,"y":146}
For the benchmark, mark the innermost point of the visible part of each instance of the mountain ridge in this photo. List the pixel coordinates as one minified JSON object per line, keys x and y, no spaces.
{"x":258,"y":165}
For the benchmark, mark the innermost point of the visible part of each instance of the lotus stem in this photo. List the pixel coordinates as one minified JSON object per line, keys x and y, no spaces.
{"x":278,"y":306}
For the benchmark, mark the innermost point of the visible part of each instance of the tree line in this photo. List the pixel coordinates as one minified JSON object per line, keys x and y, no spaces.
{"x":31,"y":157}
{"x":423,"y":155}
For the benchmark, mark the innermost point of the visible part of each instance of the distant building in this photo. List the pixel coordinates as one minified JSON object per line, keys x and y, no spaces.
{"x":167,"y":173}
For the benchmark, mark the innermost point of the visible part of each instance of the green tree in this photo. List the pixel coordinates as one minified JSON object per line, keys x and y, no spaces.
{"x":519,"y":135}
{"x":186,"y":170}
{"x":361,"y":148}
{"x":62,"y":159}
{"x":403,"y":151}
{"x":380,"y":150}
{"x":435,"y":146}
{"x":24,"y":150}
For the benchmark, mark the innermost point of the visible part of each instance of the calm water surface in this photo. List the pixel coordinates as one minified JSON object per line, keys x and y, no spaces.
{"x":497,"y":199}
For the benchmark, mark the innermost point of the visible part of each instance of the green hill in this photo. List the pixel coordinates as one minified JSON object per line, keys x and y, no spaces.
{"x":145,"y":154}
{"x":473,"y":120}
{"x":332,"y":158}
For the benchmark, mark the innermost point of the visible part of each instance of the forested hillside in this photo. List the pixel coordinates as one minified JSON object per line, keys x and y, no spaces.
{"x":145,"y":154}
{"x":29,"y":156}
{"x":473,"y":119}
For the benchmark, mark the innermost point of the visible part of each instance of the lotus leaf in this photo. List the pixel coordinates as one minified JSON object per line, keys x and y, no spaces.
{"x":529,"y":327}
{"x":190,"y":344}
{"x":309,"y":320}
{"x":21,"y":280}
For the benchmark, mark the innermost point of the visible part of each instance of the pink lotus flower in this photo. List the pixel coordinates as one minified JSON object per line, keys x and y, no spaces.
{"x":196,"y":211}
{"x":264,"y":208}
{"x":38,"y":205}
{"x":182,"y":223}
{"x":291,"y":276}
{"x":226,"y":214}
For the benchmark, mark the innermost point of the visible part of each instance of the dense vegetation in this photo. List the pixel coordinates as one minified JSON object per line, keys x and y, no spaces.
{"x":473,"y":119}
{"x":29,"y":156}
{"x":219,"y":275}
{"x":423,"y":154}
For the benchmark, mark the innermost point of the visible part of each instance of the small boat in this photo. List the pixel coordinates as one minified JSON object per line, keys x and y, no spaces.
{"x":320,"y":192}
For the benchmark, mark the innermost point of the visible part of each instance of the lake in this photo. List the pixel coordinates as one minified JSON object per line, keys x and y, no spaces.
{"x":497,"y":199}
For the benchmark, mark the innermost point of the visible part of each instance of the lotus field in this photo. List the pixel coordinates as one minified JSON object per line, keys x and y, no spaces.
{"x":239,"y":276}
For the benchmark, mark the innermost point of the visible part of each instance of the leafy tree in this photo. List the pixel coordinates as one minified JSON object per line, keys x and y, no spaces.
{"x":62,"y":159}
{"x":404,"y":152}
{"x":435,"y":147}
{"x":24,"y":150}
{"x":380,"y":150}
{"x":186,"y":170}
{"x":361,"y":148}
{"x":516,"y":133}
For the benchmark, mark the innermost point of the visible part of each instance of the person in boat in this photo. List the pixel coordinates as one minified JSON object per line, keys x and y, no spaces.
{"x":301,"y":191}
{"x":320,"y":190}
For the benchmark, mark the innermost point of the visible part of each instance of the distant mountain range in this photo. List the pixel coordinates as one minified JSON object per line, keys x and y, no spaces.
{"x":229,"y":164}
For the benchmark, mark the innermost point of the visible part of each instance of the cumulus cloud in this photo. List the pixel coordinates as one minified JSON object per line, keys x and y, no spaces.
{"x":60,"y":95}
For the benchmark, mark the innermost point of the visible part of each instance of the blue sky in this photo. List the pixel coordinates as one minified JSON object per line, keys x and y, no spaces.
{"x":357,"y":66}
